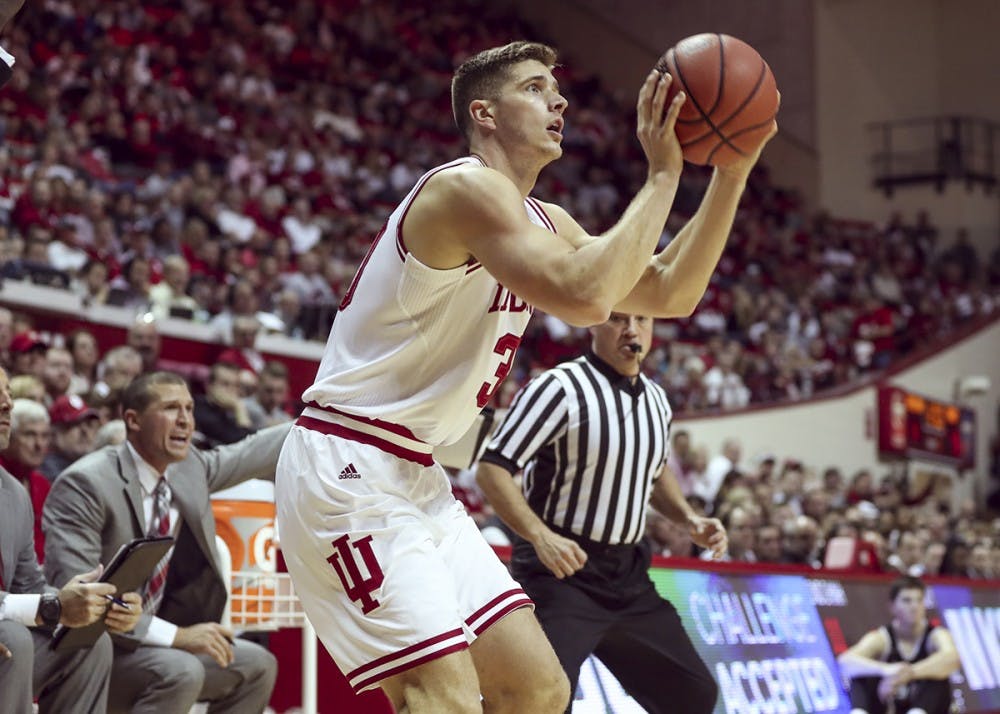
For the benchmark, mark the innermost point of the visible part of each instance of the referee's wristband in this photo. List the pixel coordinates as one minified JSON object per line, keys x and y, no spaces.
{"x":6,"y":66}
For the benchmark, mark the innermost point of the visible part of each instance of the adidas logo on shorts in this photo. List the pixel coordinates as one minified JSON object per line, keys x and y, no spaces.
{"x":349,"y":472}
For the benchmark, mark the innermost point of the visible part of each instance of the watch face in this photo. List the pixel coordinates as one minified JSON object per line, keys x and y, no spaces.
{"x":50,"y":609}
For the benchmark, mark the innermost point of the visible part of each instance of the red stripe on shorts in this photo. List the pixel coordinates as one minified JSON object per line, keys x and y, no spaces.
{"x":491,"y":604}
{"x":496,"y":609}
{"x":405,"y":652}
{"x":503,"y":612}
{"x":325,"y":427}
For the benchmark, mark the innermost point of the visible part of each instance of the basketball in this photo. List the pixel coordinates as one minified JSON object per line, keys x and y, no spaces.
{"x":731,"y":97}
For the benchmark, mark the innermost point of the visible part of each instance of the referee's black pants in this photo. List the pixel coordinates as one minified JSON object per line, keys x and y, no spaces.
{"x":610,"y":608}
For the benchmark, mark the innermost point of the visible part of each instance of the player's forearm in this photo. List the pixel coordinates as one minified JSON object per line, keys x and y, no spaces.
{"x":617,"y":261}
{"x":690,"y":259}
{"x":508,"y":502}
{"x":939,"y":665}
{"x":854,"y":665}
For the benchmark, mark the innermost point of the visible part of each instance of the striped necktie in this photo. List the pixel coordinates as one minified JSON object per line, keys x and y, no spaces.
{"x":159,"y":525}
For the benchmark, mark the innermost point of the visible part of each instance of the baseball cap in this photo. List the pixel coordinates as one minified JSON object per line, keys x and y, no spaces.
{"x":69,"y":409}
{"x":26,"y":341}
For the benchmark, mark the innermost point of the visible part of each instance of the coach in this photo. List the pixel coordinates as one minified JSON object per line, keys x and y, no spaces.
{"x":156,"y":483}
{"x":591,"y":437}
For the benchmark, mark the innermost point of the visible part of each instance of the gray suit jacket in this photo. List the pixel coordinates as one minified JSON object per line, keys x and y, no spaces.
{"x":95,"y":506}
{"x":21,"y":573}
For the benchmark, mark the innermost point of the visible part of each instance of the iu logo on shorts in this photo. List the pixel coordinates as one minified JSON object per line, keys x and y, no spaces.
{"x":357,"y":587}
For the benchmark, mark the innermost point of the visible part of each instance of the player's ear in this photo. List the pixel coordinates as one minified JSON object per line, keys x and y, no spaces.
{"x":482,"y":112}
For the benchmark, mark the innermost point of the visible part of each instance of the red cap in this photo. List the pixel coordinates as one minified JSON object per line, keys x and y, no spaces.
{"x":69,"y":409}
{"x":26,"y":341}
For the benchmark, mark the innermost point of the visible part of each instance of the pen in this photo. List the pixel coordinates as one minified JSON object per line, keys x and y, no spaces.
{"x":116,"y":601}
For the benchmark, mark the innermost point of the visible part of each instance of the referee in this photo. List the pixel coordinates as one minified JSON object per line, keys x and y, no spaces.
{"x":591,"y":437}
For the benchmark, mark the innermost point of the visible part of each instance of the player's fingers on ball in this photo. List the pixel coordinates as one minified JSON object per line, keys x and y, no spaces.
{"x":671,"y":113}
{"x":646,"y":91}
{"x":660,"y":95}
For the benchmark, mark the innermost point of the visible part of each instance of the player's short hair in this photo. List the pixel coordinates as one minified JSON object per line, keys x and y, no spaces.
{"x":480,"y":76}
{"x":906,"y":582}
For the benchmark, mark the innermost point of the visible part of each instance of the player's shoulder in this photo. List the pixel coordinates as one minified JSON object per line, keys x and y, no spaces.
{"x":938,"y":636}
{"x":468,"y":181}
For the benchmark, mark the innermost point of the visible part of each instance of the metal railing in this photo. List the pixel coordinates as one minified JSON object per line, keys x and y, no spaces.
{"x":933,"y":150}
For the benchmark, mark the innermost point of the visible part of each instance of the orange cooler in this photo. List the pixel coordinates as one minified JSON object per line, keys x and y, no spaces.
{"x":244,"y":519}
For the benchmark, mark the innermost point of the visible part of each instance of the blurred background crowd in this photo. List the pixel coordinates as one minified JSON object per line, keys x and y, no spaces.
{"x":230,"y":162}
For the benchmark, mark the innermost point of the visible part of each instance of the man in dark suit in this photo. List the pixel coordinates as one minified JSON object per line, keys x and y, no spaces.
{"x":157,"y":483}
{"x":75,"y":681}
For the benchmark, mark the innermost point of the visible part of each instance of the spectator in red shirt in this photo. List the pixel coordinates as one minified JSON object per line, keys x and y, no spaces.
{"x":874,"y":332}
{"x":242,"y":353}
{"x":34,"y":206}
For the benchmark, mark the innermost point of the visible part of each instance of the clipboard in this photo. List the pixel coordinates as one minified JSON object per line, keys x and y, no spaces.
{"x":128,"y":570}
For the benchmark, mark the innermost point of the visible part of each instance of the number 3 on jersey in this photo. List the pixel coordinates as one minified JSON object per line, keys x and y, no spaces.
{"x":506,"y":347}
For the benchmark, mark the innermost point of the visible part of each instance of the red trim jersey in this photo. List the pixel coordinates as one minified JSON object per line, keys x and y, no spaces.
{"x":415,"y":350}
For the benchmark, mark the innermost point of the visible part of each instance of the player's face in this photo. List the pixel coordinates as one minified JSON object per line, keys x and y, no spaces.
{"x":614,"y":341}
{"x":161,"y":433}
{"x":530,"y":107}
{"x":908,"y":607}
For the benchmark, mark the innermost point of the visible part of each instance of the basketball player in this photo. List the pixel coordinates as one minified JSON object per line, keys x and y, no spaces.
{"x":402,"y":589}
{"x":905,"y":663}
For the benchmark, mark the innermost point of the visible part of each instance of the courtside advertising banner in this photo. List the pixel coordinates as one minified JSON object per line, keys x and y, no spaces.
{"x":771,"y":641}
{"x":762,"y":639}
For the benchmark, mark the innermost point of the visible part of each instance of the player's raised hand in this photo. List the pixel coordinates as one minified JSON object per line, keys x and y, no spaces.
{"x":742,"y":166}
{"x":655,"y":125}
{"x":560,"y":555}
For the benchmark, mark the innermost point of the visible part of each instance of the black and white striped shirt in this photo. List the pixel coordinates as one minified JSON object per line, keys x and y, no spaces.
{"x":591,"y":443}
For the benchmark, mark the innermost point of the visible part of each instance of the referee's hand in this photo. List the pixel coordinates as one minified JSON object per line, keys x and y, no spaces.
{"x":709,"y":533}
{"x":560,"y":555}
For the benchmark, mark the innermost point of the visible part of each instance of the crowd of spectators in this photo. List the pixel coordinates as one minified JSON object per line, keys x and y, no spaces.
{"x":783,"y":511}
{"x":235,"y":159}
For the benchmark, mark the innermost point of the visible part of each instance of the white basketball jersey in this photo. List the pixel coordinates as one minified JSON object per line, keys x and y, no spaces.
{"x":416,"y":347}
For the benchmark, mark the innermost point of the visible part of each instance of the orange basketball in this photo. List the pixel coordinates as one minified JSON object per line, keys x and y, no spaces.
{"x":731,"y":97}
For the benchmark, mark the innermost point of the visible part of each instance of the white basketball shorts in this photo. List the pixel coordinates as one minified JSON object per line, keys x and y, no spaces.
{"x":391,"y":570}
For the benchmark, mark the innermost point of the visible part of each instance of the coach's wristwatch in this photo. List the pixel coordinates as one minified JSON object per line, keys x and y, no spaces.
{"x":50,"y":609}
